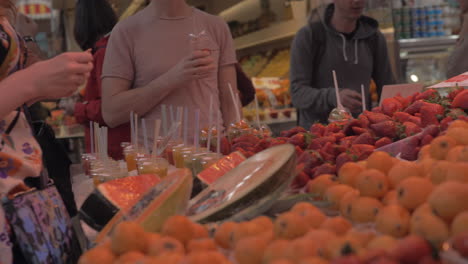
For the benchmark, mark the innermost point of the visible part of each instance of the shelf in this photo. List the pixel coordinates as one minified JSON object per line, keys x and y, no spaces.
{"x":276,"y":32}
{"x":425,"y":42}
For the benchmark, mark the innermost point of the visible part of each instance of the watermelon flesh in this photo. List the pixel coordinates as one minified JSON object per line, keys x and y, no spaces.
{"x":221,"y":167}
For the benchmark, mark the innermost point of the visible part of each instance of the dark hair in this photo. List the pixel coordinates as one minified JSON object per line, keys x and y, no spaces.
{"x":93,"y":19}
{"x":8,"y":6}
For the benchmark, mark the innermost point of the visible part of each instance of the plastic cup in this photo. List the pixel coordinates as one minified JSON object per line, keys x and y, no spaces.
{"x":153,"y":165}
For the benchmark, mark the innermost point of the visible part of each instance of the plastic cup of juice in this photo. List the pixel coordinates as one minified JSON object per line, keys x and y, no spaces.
{"x":130,"y":157}
{"x":153,"y":165}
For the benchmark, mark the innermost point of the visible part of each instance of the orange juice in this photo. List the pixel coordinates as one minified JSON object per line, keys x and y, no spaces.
{"x":130,"y":158}
{"x":158,"y":166}
{"x":179,"y":158}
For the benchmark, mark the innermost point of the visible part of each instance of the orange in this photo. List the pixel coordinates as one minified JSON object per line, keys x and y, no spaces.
{"x":246,"y":229}
{"x":276,"y":250}
{"x":263,"y":223}
{"x":424,"y":152}
{"x":381,"y":161}
{"x":201,"y":244}
{"x":402,"y":170}
{"x":313,"y":260}
{"x":338,"y":224}
{"x":459,"y":134}
{"x":250,"y":250}
{"x":365,"y":209}
{"x":335,"y":193}
{"x":440,"y":147}
{"x":128,"y":236}
{"x":424,"y":208}
{"x":458,"y":171}
{"x":169,"y":258}
{"x":290,"y":226}
{"x":361,"y":235}
{"x":319,"y":185}
{"x":345,"y":204}
{"x":311,"y":214}
{"x":342,"y":246}
{"x":166,"y":245}
{"x":449,"y":199}
{"x":349,"y":172}
{"x":393,"y":220}
{"x":179,"y":227}
{"x":281,"y":261}
{"x":130,"y":257}
{"x":438,"y":173}
{"x":302,"y":207}
{"x":384,"y":242}
{"x":463,"y":155}
{"x":224,"y":233}
{"x":458,"y":124}
{"x":431,"y":228}
{"x":427,"y":165}
{"x":320,"y":237}
{"x":390,"y":198}
{"x":97,"y":255}
{"x":200,"y":231}
{"x":413,"y":192}
{"x":301,"y":248}
{"x":207,"y":257}
{"x":459,"y":224}
{"x":372,"y":183}
{"x":454,"y":153}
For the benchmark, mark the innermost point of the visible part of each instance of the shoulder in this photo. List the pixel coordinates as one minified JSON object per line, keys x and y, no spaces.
{"x":213,"y":23}
{"x":134,"y":23}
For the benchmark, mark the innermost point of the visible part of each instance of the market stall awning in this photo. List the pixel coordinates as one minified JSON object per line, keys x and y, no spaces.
{"x":37,"y":9}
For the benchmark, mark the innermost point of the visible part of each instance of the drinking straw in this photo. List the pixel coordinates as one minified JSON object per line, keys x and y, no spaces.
{"x":179,"y":119}
{"x":164,"y":119}
{"x":210,"y":123}
{"x":196,"y":139}
{"x":363,"y":98}
{"x":338,"y":100}
{"x":257,"y":114}
{"x":186,"y":126}
{"x":157,"y":130}
{"x":218,"y":132}
{"x":145,"y":134}
{"x":96,"y":139}
{"x":171,"y":113}
{"x":132,"y":128}
{"x":136,"y":133}
{"x":91,"y":135}
{"x":236,"y":105}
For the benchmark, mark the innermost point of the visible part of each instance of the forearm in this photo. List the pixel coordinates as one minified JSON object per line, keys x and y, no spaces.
{"x":311,"y":98}
{"x":15,"y":93}
{"x":116,"y":108}
{"x":227,"y":75}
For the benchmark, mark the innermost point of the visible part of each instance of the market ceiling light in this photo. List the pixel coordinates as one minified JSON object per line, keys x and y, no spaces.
{"x":414,"y":78}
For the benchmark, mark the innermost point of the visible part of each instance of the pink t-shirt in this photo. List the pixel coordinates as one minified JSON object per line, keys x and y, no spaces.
{"x":145,"y":46}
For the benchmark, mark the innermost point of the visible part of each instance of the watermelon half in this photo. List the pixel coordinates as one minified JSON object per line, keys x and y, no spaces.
{"x":112,"y":196}
{"x":256,"y":183}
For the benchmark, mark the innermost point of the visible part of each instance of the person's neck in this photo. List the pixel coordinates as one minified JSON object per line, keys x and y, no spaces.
{"x":342,"y":24}
{"x":171,"y":8}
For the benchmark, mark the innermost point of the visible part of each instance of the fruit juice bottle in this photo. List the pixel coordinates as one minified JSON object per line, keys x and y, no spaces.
{"x":176,"y":152}
{"x":179,"y":159}
{"x":153,"y":165}
{"x":188,"y":157}
{"x":167,"y":154}
{"x":130,"y":157}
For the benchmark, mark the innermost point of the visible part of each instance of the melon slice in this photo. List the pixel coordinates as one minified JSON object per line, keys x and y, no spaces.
{"x":255,"y":183}
{"x":166,"y":199}
{"x":112,"y":196}
{"x":221,"y":167}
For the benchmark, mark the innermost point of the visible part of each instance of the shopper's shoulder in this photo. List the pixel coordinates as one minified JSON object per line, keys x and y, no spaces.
{"x":133,"y":23}
{"x":216,"y":20}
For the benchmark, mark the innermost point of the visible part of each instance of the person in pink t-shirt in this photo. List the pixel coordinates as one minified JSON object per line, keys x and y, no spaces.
{"x":153,"y":59}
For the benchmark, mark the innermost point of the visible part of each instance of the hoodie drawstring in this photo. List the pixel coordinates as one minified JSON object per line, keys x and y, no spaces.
{"x":356,"y":57}
{"x":345,"y":56}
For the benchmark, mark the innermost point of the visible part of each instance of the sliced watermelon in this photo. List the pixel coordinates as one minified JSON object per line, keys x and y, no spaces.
{"x":112,"y":196}
{"x":221,"y":167}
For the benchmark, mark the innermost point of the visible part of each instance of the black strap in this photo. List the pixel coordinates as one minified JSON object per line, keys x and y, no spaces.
{"x":10,"y":127}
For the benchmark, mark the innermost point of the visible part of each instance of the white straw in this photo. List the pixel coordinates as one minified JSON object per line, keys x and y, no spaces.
{"x":132,"y":128}
{"x":157,"y":130}
{"x":218,"y":132}
{"x":257,"y":114}
{"x":337,"y":92}
{"x":96,"y":139}
{"x":91,"y":136}
{"x":164,"y":119}
{"x":210,"y":123}
{"x":186,"y":126}
{"x":171,"y":113}
{"x":136,"y":133}
{"x":197,"y":130}
{"x":180,"y":112}
{"x":236,"y":105}
{"x":145,"y":134}
{"x":363,"y":98}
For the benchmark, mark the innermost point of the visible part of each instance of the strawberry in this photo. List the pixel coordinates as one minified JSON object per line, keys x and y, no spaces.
{"x":344,"y":158}
{"x":411,"y":129}
{"x":327,"y":157}
{"x":455,"y":92}
{"x":365,"y":138}
{"x":293,"y":131}
{"x":262,"y":145}
{"x":375,"y":118}
{"x":332,"y":128}
{"x":444,"y":124}
{"x":390,"y":106}
{"x":410,"y":149}
{"x":317,"y":129}
{"x":247,"y":138}
{"x":428,"y":94}
{"x":456,"y":113}
{"x":347,"y":141}
{"x":431,"y":113}
{"x":299,"y":151}
{"x":377,"y":110}
{"x":225,"y":146}
{"x":461,"y":100}
{"x":383,"y":142}
{"x":301,"y":140}
{"x":363,"y":150}
{"x":414,"y":107}
{"x":338,"y":136}
{"x":277,"y":142}
{"x":243,"y":145}
{"x":405,"y":102}
{"x":364,"y":121}
{"x":432,"y":130}
{"x":427,"y":139}
{"x":348,"y":128}
{"x":359,"y":130}
{"x":401,"y":117}
{"x":318,"y":143}
{"x":385,"y":129}
{"x":416,"y":120}
{"x":300,"y":181}
{"x":325,"y":168}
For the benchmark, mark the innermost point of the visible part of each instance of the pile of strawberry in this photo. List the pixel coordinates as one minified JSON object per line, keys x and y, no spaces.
{"x":325,"y":148}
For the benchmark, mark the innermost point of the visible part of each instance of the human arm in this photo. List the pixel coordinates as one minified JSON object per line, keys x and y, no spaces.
{"x":303,"y":94}
{"x":382,"y":73}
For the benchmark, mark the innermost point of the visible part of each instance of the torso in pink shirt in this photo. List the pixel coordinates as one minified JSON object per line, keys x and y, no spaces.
{"x":145,"y":46}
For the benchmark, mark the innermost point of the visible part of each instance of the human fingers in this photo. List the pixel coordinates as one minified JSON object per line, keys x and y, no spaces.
{"x":80,"y":57}
{"x":199,"y":54}
{"x":79,"y":68}
{"x":201,"y":62}
{"x":78,"y":79}
{"x":202,"y":69}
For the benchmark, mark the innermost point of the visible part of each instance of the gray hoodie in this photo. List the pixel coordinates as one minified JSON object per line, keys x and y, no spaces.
{"x":318,"y":49}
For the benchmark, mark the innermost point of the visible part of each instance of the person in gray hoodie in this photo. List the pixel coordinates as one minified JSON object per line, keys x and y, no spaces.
{"x":337,"y":38}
